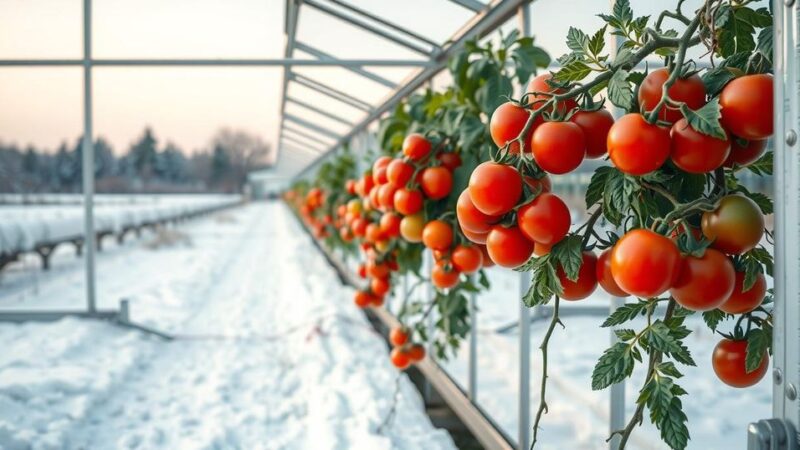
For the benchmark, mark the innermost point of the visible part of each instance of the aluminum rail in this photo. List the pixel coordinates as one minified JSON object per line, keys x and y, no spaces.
{"x":487,"y":20}
{"x":358,"y":70}
{"x":386,"y":23}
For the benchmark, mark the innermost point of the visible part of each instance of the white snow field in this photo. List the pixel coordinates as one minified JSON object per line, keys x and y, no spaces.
{"x":271,"y":353}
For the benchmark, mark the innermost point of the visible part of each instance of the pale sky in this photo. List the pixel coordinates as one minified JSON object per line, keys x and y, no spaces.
{"x":43,"y":106}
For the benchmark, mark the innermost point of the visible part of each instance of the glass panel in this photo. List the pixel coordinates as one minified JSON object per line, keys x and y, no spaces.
{"x":41,"y":29}
{"x":436,"y":20}
{"x":188,"y":28}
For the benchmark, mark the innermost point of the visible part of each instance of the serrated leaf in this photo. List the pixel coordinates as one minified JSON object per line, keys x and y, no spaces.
{"x":625,"y":313}
{"x":567,"y":253}
{"x":574,"y":71}
{"x":577,"y":40}
{"x":597,"y":42}
{"x":763,"y":166}
{"x":620,"y":92}
{"x":624,"y":56}
{"x":757,"y":342}
{"x":668,"y":368}
{"x":625,"y":334}
{"x":659,"y":338}
{"x":660,"y":395}
{"x":713,"y":318}
{"x":706,"y":119}
{"x":716,"y":79}
{"x":594,"y":192}
{"x":762,"y":256}
{"x":614,"y":365}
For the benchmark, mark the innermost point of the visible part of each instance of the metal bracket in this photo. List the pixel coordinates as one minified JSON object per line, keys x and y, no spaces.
{"x":771,"y":434}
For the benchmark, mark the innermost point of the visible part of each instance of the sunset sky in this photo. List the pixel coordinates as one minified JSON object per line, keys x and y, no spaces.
{"x":43,"y":106}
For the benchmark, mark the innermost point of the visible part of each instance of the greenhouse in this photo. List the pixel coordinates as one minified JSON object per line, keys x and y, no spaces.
{"x":418,"y":224}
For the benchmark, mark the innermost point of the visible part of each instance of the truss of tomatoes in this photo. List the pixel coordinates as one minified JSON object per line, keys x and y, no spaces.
{"x":516,"y":216}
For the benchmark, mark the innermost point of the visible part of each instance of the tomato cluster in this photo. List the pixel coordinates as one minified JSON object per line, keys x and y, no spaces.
{"x":404,"y":352}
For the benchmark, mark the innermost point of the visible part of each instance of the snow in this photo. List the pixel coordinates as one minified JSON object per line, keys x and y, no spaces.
{"x":29,"y":220}
{"x":271,"y":353}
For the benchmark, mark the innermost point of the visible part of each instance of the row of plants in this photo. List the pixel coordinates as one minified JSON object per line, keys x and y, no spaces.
{"x":466,"y":173}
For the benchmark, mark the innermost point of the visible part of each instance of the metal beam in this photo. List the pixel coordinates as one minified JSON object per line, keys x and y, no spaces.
{"x":303,"y":135}
{"x":306,"y":145}
{"x":352,"y":64}
{"x":368,"y":27}
{"x":331,"y":92}
{"x":386,"y":23}
{"x":473,"y":5}
{"x":323,"y":56}
{"x":311,"y":126}
{"x":87,"y":150}
{"x":311,"y":107}
{"x":488,"y":20}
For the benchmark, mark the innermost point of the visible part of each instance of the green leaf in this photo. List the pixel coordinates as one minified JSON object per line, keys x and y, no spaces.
{"x":597,"y":42}
{"x":763,"y":256}
{"x":617,"y":196}
{"x":763,"y":166}
{"x":714,"y":317}
{"x":545,"y":283}
{"x":567,"y":253}
{"x":625,"y":334}
{"x":659,"y":338}
{"x":620,"y":92}
{"x":614,"y":365}
{"x":483,"y":279}
{"x":577,"y":40}
{"x":660,"y":394}
{"x":624,"y":56}
{"x":758,"y":341}
{"x":594,"y":192}
{"x":626,"y":313}
{"x":716,"y":79}
{"x":706,"y":119}
{"x":574,"y":71}
{"x":668,"y":368}
{"x":764,"y":203}
{"x":528,"y":59}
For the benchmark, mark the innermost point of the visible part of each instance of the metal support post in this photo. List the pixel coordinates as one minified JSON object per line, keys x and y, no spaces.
{"x":616,"y":393}
{"x":87,"y":148}
{"x":472,"y":374}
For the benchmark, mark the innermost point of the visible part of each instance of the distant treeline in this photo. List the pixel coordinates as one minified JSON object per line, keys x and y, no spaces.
{"x":145,"y":167}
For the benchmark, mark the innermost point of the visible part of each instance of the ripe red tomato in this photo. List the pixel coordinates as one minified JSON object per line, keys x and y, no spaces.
{"x":366,"y":184}
{"x":380,"y":286}
{"x":416,"y":146}
{"x":373,"y":233}
{"x":377,"y":270}
{"x":451,"y":160}
{"x":385,"y":196}
{"x":379,"y":169}
{"x":443,"y":278}
{"x":437,"y":235}
{"x":506,"y":124}
{"x":645,"y":263}
{"x":586,"y":282}
{"x":689,"y":90}
{"x":736,"y":226}
{"x":539,"y":84}
{"x":359,"y":227}
{"x":346,"y":234}
{"x":400,"y":358}
{"x":407,"y":201}
{"x":467,"y":259}
{"x":416,"y":352}
{"x":695,"y":152}
{"x":487,"y":260}
{"x":728,"y":361}
{"x":745,"y":154}
{"x":637,"y":147}
{"x":436,"y":182}
{"x":545,"y":219}
{"x":471,"y":218}
{"x":390,"y":225}
{"x":478,"y":238}
{"x":595,"y":126}
{"x":398,"y":336}
{"x":704,"y":283}
{"x":558,"y":147}
{"x":362,"y":299}
{"x":377,"y":302}
{"x":399,"y":172}
{"x":362,"y":270}
{"x":603,"y":274}
{"x":495,"y":188}
{"x":741,"y":301}
{"x":540,"y":249}
{"x":747,"y":109}
{"x":350,"y":186}
{"x":508,"y":247}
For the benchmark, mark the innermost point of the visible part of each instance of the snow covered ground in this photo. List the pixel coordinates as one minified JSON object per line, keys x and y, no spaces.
{"x":271,"y":352}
